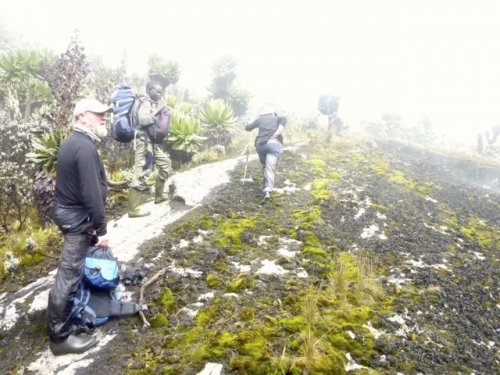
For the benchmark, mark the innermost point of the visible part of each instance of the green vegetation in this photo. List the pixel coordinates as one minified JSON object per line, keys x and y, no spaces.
{"x":257,"y":322}
{"x":23,"y":249}
{"x":223,"y":85}
{"x":166,"y":72}
{"x":217,"y":118}
{"x":309,"y":333}
{"x":293,"y":327}
{"x":484,"y":235}
{"x":230,"y":230}
{"x":22,"y":74}
{"x":183,"y":135}
{"x":45,"y":150}
{"x":38,"y":91}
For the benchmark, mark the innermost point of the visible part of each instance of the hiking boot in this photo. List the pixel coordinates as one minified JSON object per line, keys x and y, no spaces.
{"x":73,"y":344}
{"x":172,"y":188}
{"x":134,"y":201}
{"x":267,"y":197}
{"x":159,"y":194}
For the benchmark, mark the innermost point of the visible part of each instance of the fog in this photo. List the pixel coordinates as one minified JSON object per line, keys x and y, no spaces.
{"x":436,"y":59}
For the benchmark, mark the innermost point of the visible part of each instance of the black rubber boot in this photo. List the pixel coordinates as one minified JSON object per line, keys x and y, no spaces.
{"x":73,"y":344}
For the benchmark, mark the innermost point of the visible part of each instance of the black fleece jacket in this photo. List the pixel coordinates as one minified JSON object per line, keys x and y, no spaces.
{"x":81,"y":183}
{"x":267,"y":125}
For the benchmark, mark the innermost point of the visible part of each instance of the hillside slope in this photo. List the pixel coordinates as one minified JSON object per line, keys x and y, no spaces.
{"x":370,"y":258}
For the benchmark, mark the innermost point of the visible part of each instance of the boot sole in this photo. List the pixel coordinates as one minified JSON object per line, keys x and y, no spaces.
{"x":62,"y":351}
{"x":139,"y":215}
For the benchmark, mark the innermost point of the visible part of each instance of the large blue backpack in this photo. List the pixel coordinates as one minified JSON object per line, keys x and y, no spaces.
{"x":96,"y":300}
{"x":122,"y":125}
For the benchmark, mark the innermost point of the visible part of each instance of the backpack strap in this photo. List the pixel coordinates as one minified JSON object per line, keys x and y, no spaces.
{"x":81,"y":311}
{"x":105,"y":304}
{"x":134,"y":115}
{"x":120,"y":308}
{"x":80,"y":300}
{"x":153,"y":147}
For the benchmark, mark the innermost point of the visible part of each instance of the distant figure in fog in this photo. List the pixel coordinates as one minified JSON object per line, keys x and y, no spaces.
{"x":490,"y":137}
{"x":268,"y":145}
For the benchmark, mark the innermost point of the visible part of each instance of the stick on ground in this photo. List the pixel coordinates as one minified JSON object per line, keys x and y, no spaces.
{"x":147,"y":283}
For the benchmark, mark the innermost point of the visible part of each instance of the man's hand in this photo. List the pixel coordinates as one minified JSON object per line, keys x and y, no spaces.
{"x":157,"y":112}
{"x":102,"y":241}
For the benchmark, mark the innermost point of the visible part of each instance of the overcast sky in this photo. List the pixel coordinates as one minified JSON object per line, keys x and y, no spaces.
{"x":435,"y":58}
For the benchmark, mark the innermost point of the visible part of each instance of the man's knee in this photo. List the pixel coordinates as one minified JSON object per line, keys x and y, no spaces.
{"x":163,"y":174}
{"x":164,"y":169}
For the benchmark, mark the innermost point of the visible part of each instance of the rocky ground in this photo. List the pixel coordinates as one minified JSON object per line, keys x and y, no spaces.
{"x":371,"y":257}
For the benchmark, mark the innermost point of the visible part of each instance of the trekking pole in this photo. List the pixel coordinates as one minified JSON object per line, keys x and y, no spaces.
{"x":153,"y":146}
{"x":246,"y":163}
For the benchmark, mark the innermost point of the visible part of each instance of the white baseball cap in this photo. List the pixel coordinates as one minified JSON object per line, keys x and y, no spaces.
{"x":90,"y":105}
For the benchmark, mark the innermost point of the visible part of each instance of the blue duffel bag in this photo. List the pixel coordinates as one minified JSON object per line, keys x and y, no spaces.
{"x":101,"y":269}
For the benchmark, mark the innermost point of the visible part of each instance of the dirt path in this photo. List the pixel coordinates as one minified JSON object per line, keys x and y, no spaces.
{"x":28,"y":305}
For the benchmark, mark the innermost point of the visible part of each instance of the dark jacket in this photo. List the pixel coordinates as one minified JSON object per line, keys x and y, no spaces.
{"x":267,"y":125}
{"x":81,"y":187}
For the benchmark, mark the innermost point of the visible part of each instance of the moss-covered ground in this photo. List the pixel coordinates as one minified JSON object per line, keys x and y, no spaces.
{"x":372,"y":258}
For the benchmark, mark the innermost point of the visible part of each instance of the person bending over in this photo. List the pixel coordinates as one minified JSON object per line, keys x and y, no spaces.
{"x":268,"y":145}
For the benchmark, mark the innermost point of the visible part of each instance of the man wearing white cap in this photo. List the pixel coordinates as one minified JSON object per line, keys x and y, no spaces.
{"x":78,"y":211}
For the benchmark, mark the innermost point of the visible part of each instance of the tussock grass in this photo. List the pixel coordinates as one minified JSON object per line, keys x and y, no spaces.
{"x":26,"y":248}
{"x":344,"y":301}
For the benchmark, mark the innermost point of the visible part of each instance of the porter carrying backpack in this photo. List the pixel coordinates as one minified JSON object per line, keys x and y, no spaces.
{"x":96,"y":300}
{"x":122,"y":101}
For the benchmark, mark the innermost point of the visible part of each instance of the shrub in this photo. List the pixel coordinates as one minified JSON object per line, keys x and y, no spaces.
{"x":16,"y":174}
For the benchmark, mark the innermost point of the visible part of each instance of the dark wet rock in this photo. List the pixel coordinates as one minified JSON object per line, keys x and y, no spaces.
{"x":261,"y":284}
{"x":248,"y":238}
{"x":133,"y":276}
{"x":214,"y":253}
{"x":286,"y":263}
{"x":137,"y":365}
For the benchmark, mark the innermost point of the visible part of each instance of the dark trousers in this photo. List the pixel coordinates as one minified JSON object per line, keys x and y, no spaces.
{"x":68,"y":276}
